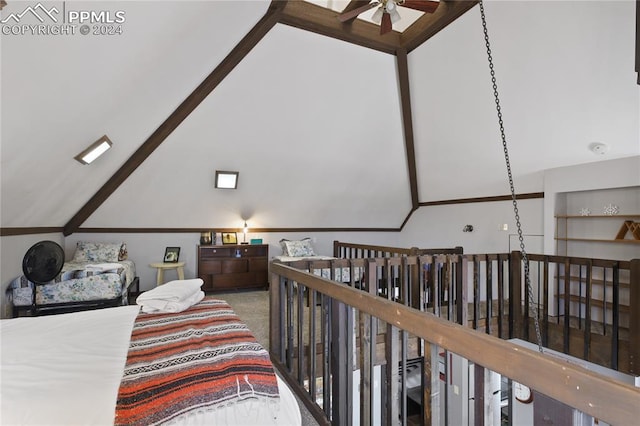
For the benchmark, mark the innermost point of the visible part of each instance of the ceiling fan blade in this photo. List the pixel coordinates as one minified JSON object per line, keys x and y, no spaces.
{"x":421,"y":5}
{"x":352,"y":14}
{"x":385,"y":26}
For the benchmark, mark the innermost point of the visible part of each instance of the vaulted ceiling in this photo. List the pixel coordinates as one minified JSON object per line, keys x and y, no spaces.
{"x":317,"y":126}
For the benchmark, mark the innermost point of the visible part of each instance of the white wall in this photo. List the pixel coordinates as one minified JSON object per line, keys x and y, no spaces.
{"x":441,"y":226}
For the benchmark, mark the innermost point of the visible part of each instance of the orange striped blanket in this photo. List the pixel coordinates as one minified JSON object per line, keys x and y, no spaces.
{"x":195,"y":360}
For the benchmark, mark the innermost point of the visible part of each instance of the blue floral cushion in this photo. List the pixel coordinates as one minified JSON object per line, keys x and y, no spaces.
{"x":299,"y":248}
{"x":97,"y":252}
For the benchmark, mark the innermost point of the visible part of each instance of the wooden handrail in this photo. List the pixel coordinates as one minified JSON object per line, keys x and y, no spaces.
{"x":413,"y":251}
{"x":589,"y":392}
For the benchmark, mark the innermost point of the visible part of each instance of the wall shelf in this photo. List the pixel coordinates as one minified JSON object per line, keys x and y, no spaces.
{"x":599,"y":240}
{"x":601,"y":216}
{"x":626,"y":233}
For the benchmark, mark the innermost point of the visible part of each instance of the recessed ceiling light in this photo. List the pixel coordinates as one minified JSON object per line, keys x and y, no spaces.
{"x":226,"y":180}
{"x":94,"y":151}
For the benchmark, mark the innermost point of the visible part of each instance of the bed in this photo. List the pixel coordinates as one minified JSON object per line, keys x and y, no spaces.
{"x":99,"y":367}
{"x":98,"y":275}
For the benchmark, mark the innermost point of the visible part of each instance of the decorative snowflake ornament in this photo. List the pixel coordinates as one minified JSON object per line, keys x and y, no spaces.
{"x":585,"y":212}
{"x":611,"y":209}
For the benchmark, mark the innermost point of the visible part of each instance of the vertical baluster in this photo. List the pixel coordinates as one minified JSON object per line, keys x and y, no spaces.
{"x":616,"y":315}
{"x":403,"y":386}
{"x":587,"y":313}
{"x":559,"y":271}
{"x":300,"y":334}
{"x":342,"y":373}
{"x":545,"y":306}
{"x":313,"y":373}
{"x":604,"y":298}
{"x":462,"y":311}
{"x":436,"y":287}
{"x":567,"y":306}
{"x":388,"y":277}
{"x":515,"y":295}
{"x":580,"y":304}
{"x":290,"y":324}
{"x":476,"y":291}
{"x":489,"y":284}
{"x":277,"y":333}
{"x":326,"y":358}
{"x":392,"y":377}
{"x":500,"y":296}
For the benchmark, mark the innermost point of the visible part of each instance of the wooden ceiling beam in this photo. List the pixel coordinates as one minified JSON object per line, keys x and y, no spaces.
{"x":317,"y":19}
{"x":407,"y":125}
{"x":430,"y":24}
{"x":354,"y":4}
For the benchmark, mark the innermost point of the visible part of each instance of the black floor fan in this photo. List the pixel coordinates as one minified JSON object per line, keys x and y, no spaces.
{"x":41,"y":264}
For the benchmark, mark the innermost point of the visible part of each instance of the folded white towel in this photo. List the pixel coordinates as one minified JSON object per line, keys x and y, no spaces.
{"x":173,"y":291}
{"x":157,"y":306}
{"x":103,"y":266}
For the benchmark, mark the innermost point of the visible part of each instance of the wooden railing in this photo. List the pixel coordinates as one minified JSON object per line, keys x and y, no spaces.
{"x":344,"y":250}
{"x":587,"y":304}
{"x":321,"y":332}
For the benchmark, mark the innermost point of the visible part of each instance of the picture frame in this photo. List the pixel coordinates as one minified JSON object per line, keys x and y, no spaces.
{"x":206,"y":238}
{"x":229,"y":238}
{"x":171,"y":254}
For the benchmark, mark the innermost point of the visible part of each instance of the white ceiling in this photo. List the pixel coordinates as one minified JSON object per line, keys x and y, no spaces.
{"x":313,"y":124}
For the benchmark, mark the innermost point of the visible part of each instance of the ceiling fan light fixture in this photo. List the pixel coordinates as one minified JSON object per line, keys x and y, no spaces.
{"x":395,"y":16}
{"x":390,"y":6}
{"x":377,"y":15}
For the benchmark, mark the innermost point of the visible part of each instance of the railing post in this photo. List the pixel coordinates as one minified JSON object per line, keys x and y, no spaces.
{"x":341,"y":364}
{"x":275,"y":313}
{"x":634,"y":317}
{"x":462,"y":283}
{"x":515,"y":295}
{"x":336,"y":248}
{"x":414,"y":281}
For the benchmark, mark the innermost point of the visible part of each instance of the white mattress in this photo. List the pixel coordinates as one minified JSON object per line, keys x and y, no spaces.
{"x":66,"y":370}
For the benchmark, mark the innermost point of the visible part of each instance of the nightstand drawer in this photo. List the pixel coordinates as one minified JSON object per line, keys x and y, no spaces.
{"x":213,"y":252}
{"x":210,"y":267}
{"x":255,"y":251}
{"x":259,"y":264}
{"x":235,"y":266}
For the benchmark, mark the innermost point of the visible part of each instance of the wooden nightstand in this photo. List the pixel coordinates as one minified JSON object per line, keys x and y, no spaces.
{"x":234,"y":267}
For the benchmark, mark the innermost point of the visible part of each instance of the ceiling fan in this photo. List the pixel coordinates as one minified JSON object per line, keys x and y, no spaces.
{"x":387,"y":12}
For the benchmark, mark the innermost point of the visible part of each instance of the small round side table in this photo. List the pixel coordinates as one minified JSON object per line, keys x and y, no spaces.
{"x":162,"y":266}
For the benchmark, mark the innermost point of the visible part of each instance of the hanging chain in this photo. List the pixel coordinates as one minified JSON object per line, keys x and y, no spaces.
{"x":525,"y":258}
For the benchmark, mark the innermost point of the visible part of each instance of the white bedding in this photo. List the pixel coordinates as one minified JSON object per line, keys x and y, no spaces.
{"x":66,"y":370}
